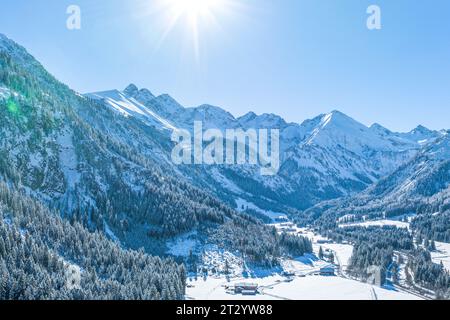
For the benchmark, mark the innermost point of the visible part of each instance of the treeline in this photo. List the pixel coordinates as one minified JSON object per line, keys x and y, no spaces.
{"x":367,"y":255}
{"x":433,"y":227}
{"x":428,"y":274}
{"x":386,"y":236}
{"x":295,"y":245}
{"x":37,"y":249}
{"x":259,"y":244}
{"x":373,"y":246}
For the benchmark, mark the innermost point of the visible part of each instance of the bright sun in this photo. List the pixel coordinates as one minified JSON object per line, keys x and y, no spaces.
{"x":196,"y":19}
{"x":194,"y":9}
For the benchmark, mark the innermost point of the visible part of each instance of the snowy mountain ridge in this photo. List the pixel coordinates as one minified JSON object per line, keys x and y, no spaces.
{"x":420,"y":186}
{"x":310,"y":131}
{"x":333,"y":152}
{"x":103,"y":162}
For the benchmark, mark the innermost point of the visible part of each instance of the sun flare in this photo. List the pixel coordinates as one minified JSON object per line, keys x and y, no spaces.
{"x":194,"y":9}
{"x":194,"y":17}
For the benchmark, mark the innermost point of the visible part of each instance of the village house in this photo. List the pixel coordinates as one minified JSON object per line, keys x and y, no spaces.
{"x":327,"y":271}
{"x":247,"y":289}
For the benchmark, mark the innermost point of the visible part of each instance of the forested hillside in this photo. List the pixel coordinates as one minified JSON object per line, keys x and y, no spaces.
{"x":39,"y":251}
{"x":433,"y":227}
{"x":55,"y":146}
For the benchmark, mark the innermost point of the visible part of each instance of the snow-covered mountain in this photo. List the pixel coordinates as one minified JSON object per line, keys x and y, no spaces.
{"x":327,"y":157}
{"x":102,"y":161}
{"x":127,"y":104}
{"x":340,"y":156}
{"x":324,"y":158}
{"x":421,"y":185}
{"x":83,"y":174}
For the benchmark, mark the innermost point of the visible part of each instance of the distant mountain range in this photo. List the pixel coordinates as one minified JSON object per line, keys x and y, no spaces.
{"x":108,"y":172}
{"x":105,"y":156}
{"x":420,"y":186}
{"x":99,"y":167}
{"x":324,"y":158}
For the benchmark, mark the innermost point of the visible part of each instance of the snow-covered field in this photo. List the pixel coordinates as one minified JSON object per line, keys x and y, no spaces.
{"x":377,"y":223}
{"x":300,"y":288}
{"x":183,"y":245}
{"x":303,"y":282}
{"x":343,"y":253}
{"x":442,"y":254}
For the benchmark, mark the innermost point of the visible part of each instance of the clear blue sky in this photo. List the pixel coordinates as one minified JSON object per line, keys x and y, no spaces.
{"x":296,"y":58}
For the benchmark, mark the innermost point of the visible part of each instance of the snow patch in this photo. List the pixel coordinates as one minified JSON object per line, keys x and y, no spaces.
{"x":68,"y":160}
{"x":377,"y":223}
{"x":111,"y":234}
{"x":224,"y":182}
{"x":183,"y":245}
{"x":442,"y":254}
{"x":243,"y":205}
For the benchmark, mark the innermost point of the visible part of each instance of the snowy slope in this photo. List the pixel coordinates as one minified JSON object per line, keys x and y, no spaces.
{"x":129,"y":106}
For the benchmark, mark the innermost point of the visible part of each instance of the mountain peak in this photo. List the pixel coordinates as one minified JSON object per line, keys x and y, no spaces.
{"x":168,"y":99}
{"x":146,"y":94}
{"x":421,"y":130}
{"x":340,"y":119}
{"x":213,"y":111}
{"x":166,"y":105}
{"x":208,"y":107}
{"x":338,"y":113}
{"x":131,"y":90}
{"x":266,"y":120}
{"x":248,"y":117}
{"x":421,"y":135}
{"x":378,"y":128}
{"x":336,"y":128}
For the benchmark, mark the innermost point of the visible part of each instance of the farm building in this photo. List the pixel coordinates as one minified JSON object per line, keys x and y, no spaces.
{"x":327,"y":271}
{"x":288,"y":274}
{"x":324,"y":241}
{"x":282,"y":219}
{"x":246,"y":288}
